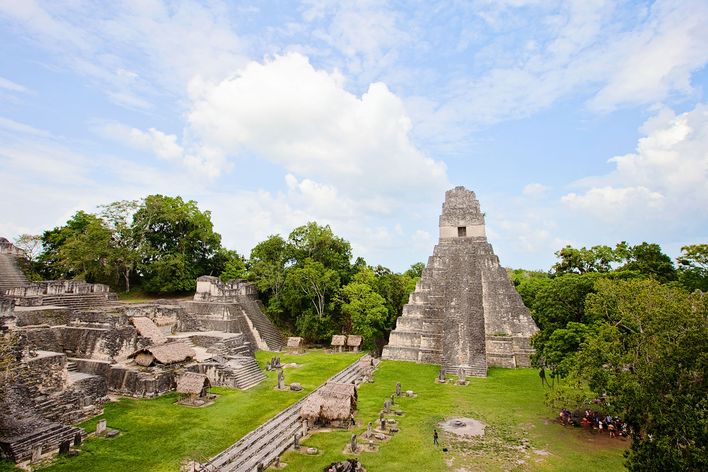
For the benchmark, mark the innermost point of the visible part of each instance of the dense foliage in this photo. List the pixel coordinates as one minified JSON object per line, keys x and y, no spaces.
{"x":311,"y":287}
{"x":624,"y":325}
{"x":161,"y":243}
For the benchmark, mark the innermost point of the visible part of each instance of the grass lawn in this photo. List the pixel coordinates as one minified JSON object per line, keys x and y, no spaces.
{"x":509,"y":402}
{"x":156,"y":435}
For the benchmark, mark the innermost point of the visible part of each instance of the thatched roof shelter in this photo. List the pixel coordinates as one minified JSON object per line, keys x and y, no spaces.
{"x":339,"y":340}
{"x":170,"y":353}
{"x":354,"y":340}
{"x":295,"y":342}
{"x":333,"y":404}
{"x":193,"y":384}
{"x":147,"y":328}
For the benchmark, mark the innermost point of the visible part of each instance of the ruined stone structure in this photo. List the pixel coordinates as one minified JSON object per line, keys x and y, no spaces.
{"x":75,"y":344}
{"x":464,"y":313}
{"x":232,"y":307}
{"x":10,"y":274}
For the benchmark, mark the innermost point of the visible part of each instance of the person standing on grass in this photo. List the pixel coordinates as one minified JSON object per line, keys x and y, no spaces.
{"x":435,"y":437}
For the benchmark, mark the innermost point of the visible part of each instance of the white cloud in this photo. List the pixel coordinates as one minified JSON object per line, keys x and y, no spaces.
{"x":204,"y":160}
{"x":135,"y":52}
{"x":534,"y":190}
{"x":614,"y":55}
{"x":12,"y":86}
{"x":664,"y":182}
{"x":291,"y":114}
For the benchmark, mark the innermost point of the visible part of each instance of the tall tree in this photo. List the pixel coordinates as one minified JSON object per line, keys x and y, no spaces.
{"x":320,"y":244}
{"x":125,"y":256}
{"x":650,"y":356}
{"x":693,"y":267}
{"x":31,"y":244}
{"x":81,"y":249}
{"x":177,"y":243}
{"x":649,"y":260}
{"x":363,"y":309}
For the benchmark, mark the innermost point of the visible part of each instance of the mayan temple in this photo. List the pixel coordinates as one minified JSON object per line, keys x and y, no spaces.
{"x":464,"y":312}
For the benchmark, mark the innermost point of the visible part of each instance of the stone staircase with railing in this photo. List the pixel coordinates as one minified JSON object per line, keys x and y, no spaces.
{"x":266,"y":330}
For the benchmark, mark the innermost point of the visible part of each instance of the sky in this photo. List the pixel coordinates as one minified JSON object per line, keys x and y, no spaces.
{"x":574,"y":122}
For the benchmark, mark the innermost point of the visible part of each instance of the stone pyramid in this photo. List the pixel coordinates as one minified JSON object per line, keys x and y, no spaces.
{"x":464,"y":312}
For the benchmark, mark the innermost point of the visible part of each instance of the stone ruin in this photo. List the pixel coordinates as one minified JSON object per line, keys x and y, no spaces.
{"x":464,"y":313}
{"x":76,"y":345}
{"x":232,"y":307}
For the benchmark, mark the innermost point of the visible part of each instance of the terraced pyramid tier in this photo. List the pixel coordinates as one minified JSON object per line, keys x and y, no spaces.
{"x":464,"y":313}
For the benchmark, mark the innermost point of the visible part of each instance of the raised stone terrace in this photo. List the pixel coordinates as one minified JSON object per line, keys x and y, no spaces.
{"x":232,"y":307}
{"x":464,"y":313}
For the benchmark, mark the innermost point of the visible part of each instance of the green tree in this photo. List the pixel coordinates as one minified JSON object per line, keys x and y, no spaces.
{"x":234,"y":264}
{"x":364,"y":309}
{"x":650,"y":356}
{"x":583,"y":260}
{"x":312,"y":286}
{"x":268,"y":264}
{"x":320,"y":244}
{"x":177,"y":244}
{"x":31,"y":244}
{"x":693,"y":267}
{"x":648,"y":260}
{"x":81,"y":249}
{"x":117,"y":216}
{"x":415,"y":270}
{"x":53,"y":240}
{"x":529,"y":284}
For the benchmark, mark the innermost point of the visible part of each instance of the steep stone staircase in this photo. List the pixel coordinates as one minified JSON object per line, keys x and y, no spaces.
{"x":10,"y":274}
{"x":267,"y":331}
{"x":265,"y":443}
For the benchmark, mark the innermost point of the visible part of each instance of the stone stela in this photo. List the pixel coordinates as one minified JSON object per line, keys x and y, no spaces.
{"x":464,"y":313}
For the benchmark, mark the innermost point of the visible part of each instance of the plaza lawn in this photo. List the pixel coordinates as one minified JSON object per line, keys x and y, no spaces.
{"x":509,"y":402}
{"x":156,"y":435}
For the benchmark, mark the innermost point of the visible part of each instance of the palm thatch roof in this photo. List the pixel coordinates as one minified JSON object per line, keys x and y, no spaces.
{"x":332,"y":402}
{"x":169,"y":353}
{"x":192,"y":383}
{"x":147,"y":328}
{"x":339,"y":340}
{"x":295,"y":342}
{"x":354,"y":340}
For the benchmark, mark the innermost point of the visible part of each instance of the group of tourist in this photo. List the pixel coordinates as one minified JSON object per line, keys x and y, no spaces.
{"x":597,"y":421}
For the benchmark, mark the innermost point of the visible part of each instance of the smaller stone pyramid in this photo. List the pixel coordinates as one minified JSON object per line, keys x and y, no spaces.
{"x":464,"y":313}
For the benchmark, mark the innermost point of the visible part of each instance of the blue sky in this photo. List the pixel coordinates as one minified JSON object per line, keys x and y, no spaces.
{"x":574,"y":122}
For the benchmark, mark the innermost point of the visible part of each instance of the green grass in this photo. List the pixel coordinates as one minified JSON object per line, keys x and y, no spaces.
{"x":509,"y":402}
{"x":157,"y":435}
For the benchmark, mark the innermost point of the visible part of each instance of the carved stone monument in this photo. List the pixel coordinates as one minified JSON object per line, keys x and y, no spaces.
{"x":352,"y":443}
{"x":398,"y":389}
{"x":464,"y":312}
{"x":461,"y":377}
{"x":281,"y":379}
